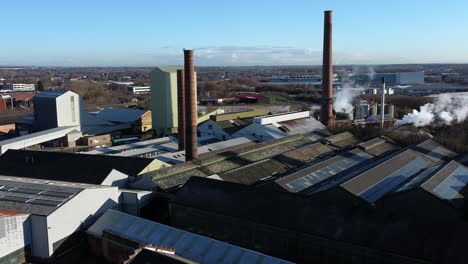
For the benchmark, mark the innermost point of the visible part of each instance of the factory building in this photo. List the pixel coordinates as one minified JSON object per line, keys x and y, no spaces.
{"x":276,"y":126}
{"x":431,"y":88}
{"x":37,"y":216}
{"x":223,"y":126}
{"x":398,"y":78}
{"x":163,"y":83}
{"x":251,"y":163}
{"x":57,"y":109}
{"x":114,"y":237}
{"x":375,"y":202}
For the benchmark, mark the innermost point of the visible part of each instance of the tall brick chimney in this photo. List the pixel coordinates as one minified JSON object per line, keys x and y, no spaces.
{"x":191,"y":151}
{"x":181,"y":108}
{"x":326,"y":112}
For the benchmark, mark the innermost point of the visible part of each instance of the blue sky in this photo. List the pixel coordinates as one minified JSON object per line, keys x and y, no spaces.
{"x":241,"y":32}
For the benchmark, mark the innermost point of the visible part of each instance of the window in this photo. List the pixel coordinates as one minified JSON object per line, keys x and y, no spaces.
{"x":72,"y":101}
{"x":210,"y":126}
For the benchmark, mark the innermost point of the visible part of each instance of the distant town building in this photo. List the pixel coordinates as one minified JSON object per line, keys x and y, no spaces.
{"x":163,"y":83}
{"x":17,"y":87}
{"x":397,"y":78}
{"x":137,"y":90}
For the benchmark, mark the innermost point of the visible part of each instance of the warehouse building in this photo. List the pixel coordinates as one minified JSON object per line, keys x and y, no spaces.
{"x":251,"y":163}
{"x":57,"y":109}
{"x":37,"y":216}
{"x":355,"y":190}
{"x":77,"y":168}
{"x":139,"y":119}
{"x":223,"y":126}
{"x":276,"y":126}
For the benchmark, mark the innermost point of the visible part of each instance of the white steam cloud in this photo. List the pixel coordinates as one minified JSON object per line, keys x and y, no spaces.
{"x":344,"y":100}
{"x":444,"y":110}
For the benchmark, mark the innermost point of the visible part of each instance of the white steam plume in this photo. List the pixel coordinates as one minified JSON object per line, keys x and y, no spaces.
{"x":344,"y":100}
{"x":444,"y":110}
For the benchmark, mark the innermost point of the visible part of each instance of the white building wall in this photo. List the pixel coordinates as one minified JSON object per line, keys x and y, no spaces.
{"x":280,"y":118}
{"x":68,"y":109}
{"x":15,"y":233}
{"x":116,"y":178}
{"x":83,"y":209}
{"x":210,"y":128}
{"x":258,"y":132}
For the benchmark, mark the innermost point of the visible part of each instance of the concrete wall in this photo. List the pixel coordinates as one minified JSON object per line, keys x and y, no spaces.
{"x":15,"y":233}
{"x":164,"y":100}
{"x":163,"y":83}
{"x":81,"y":210}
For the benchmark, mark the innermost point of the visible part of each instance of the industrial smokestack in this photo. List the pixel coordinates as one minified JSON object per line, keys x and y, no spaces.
{"x":191,"y":151}
{"x":181,"y":108}
{"x":383,"y":105}
{"x":326,"y":113}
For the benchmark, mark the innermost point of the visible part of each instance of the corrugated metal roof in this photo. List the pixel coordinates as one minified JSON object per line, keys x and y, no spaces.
{"x":121,"y":115}
{"x":225,"y":160}
{"x":322,"y":171}
{"x":188,"y":245}
{"x":302,"y":126}
{"x":394,"y":179}
{"x":254,"y":172}
{"x":449,"y":182}
{"x":393,"y":174}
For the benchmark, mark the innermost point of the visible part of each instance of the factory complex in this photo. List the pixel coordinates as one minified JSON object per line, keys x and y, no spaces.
{"x":171,"y":185}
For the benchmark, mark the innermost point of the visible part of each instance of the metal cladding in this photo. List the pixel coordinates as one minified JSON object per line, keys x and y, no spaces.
{"x":191,"y":151}
{"x":326,"y":113}
{"x":181,"y":108}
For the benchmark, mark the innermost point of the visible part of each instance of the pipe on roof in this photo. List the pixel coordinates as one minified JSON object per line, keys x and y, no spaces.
{"x":191,"y":151}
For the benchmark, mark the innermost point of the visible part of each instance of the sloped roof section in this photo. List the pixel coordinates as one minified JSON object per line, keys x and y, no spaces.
{"x":188,"y":245}
{"x":120,"y":115}
{"x":69,"y":167}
